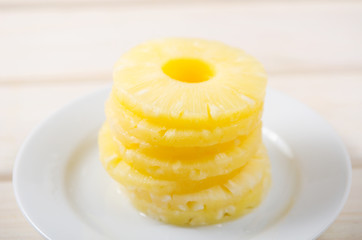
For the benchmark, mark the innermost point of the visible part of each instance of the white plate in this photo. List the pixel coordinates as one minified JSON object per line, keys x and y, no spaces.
{"x":65,"y":193}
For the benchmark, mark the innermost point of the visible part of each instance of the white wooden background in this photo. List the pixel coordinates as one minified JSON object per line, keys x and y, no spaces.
{"x":52,"y":52}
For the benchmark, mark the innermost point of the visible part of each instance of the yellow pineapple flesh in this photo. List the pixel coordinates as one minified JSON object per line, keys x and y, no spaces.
{"x":235,"y":87}
{"x":190,"y":202}
{"x":183,"y":131}
{"x":197,"y":134}
{"x":197,"y":166}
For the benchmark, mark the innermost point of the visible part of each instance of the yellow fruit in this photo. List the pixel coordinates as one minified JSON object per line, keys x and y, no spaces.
{"x":119,"y":118}
{"x":194,"y":164}
{"x":183,"y":131}
{"x":129,"y":176}
{"x":225,"y":201}
{"x":189,"y":83}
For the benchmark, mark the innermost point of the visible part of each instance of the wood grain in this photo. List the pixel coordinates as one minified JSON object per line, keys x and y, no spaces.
{"x":79,"y":42}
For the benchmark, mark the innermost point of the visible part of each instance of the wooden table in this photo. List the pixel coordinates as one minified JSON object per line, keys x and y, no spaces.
{"x":52,"y":52}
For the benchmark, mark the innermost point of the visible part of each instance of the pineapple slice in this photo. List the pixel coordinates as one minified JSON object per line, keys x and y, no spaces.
{"x":189,"y":82}
{"x":119,"y":118}
{"x":193,"y":164}
{"x":196,"y":214}
{"x":225,"y":201}
{"x":131,"y":177}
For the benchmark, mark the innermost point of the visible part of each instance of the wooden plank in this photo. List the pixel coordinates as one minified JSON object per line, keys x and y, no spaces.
{"x":97,"y":3}
{"x":87,"y":3}
{"x":52,"y":43}
{"x":24,"y":106}
{"x":42,"y":3}
{"x":347,"y":226}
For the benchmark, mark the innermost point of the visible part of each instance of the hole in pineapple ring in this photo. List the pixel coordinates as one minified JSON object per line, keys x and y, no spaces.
{"x":189,"y":70}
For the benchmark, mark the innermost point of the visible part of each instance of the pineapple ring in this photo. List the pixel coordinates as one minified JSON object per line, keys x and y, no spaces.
{"x":130,"y":177}
{"x":195,"y":214}
{"x":120,"y":119}
{"x":214,"y":205}
{"x":238,"y":185}
{"x":196,"y":166}
{"x":133,"y":143}
{"x":189,"y":81}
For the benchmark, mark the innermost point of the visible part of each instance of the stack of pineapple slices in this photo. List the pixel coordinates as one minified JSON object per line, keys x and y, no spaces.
{"x":183,"y":131}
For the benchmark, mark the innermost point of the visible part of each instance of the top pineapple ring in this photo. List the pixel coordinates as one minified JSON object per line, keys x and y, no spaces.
{"x":188,"y":81}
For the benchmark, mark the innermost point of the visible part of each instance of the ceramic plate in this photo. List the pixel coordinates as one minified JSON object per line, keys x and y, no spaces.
{"x":65,"y":193}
